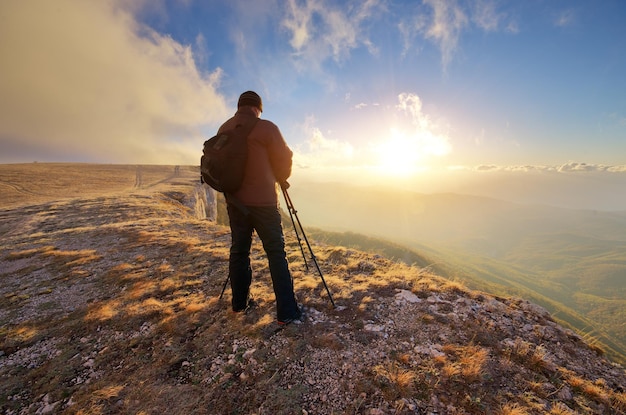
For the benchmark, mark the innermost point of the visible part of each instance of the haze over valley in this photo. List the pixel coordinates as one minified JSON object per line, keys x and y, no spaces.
{"x":572,"y":261}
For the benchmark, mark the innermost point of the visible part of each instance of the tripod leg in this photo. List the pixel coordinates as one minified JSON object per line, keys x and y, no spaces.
{"x":224,"y":287}
{"x":292,"y":211}
{"x":295,"y":214}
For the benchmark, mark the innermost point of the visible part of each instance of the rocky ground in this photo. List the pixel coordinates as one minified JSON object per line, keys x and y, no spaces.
{"x":111,"y":304}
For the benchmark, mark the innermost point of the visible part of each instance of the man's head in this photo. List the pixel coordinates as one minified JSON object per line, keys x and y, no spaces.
{"x":250,"y":98}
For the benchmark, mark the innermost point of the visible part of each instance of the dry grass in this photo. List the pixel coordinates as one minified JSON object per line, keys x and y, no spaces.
{"x":560,"y":409}
{"x":395,"y":381}
{"x":618,"y":401}
{"x":469,"y":363}
{"x":594,"y":390}
{"x":512,"y":409}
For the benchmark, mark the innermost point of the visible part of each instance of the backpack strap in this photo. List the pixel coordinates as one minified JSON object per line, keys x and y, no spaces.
{"x":230,"y":198}
{"x":248,"y":126}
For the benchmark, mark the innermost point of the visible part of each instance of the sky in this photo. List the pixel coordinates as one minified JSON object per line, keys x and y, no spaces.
{"x":409,"y":92}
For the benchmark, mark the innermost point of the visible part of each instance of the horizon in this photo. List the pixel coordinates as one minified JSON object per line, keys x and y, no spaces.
{"x":567,"y":187}
{"x":452,"y":93}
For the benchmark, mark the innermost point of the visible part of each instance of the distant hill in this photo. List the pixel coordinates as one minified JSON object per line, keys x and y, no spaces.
{"x":573,"y":262}
{"x":110,"y":303}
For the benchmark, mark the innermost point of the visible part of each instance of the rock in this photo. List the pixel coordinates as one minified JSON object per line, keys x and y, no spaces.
{"x":373,"y":327}
{"x":408,"y":296}
{"x":48,"y":408}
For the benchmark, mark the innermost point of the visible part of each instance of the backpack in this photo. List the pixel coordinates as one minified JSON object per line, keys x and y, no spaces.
{"x":224,"y":157}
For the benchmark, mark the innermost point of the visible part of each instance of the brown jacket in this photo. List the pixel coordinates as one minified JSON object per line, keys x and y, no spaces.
{"x":269,"y":160}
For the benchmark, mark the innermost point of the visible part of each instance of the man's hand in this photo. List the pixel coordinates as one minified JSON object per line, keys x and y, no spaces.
{"x":284,"y":185}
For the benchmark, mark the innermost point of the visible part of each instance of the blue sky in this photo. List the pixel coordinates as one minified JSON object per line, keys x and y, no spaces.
{"x":386,"y":87}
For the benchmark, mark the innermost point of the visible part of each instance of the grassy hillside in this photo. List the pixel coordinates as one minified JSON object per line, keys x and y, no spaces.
{"x":110,"y":304}
{"x":499,"y":278}
{"x":573,"y":262}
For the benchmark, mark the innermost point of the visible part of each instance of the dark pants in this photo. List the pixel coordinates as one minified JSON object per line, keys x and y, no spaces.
{"x":266,"y":221}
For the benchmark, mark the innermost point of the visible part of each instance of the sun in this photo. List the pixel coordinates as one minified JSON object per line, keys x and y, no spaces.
{"x":399,"y":155}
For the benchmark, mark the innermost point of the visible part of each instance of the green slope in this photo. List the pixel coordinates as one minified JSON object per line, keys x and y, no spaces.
{"x":487,"y":275}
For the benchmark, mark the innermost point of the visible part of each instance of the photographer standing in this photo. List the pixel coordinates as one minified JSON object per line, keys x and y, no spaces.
{"x":255,"y":207}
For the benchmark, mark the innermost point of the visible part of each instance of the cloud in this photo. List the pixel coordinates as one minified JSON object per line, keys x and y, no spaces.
{"x":570,"y":167}
{"x":298,"y":23}
{"x":429,"y":138}
{"x":565,"y":18}
{"x":319,"y":150}
{"x":322,"y":30}
{"x":84,"y":81}
{"x":512,"y":27}
{"x":515,"y":169}
{"x":446,"y":26}
{"x":445,"y":21}
{"x":578,"y":167}
{"x":485,"y":15}
{"x":442,"y":24}
{"x":484,"y":167}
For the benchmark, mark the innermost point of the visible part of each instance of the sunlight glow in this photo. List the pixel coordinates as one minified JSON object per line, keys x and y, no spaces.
{"x":404,"y":154}
{"x":399,"y":155}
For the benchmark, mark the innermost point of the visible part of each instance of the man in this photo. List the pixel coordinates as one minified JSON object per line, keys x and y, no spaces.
{"x":255,"y":207}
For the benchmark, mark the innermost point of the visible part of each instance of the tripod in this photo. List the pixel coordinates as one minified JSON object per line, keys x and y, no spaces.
{"x":293,"y":213}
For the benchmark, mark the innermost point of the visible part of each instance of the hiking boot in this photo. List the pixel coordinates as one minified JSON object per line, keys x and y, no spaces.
{"x":251,"y":304}
{"x":299,"y":319}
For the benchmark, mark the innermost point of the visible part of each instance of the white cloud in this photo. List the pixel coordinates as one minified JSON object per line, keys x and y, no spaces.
{"x":321,"y":30}
{"x":85,"y":78}
{"x":430,"y":138}
{"x":512,"y":27}
{"x":570,"y":167}
{"x":483,"y":167}
{"x":486,"y":16}
{"x":578,"y":167}
{"x":442,"y":24}
{"x":412,"y":105}
{"x":565,"y":18}
{"x":448,"y":22}
{"x":298,"y":23}
{"x":201,"y":50}
{"x":319,"y":150}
